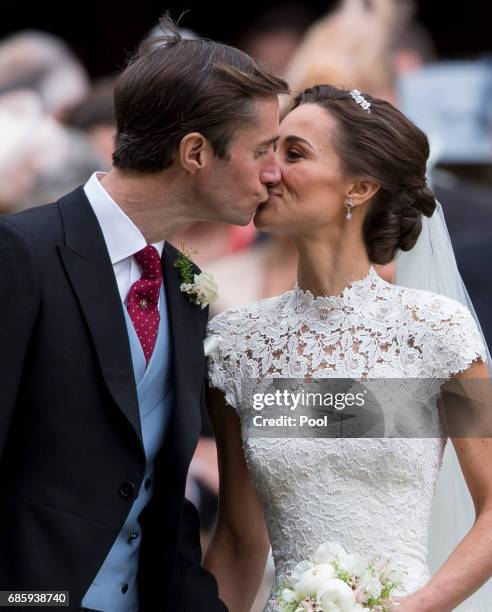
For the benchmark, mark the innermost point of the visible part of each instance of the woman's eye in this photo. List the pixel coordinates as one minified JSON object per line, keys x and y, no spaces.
{"x":292,"y":154}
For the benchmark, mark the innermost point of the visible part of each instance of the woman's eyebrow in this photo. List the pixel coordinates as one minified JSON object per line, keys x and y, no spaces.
{"x":292,"y":138}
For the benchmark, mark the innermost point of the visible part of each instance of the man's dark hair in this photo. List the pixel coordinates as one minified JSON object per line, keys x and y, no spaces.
{"x":174,"y":86}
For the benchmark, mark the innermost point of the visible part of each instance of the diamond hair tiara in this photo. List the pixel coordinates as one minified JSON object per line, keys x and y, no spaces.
{"x":361,"y":101}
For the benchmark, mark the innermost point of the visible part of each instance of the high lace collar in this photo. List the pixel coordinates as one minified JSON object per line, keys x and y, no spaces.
{"x":353,"y":294}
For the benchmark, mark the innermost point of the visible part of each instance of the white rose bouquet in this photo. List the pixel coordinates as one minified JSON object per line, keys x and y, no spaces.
{"x":336,"y":581}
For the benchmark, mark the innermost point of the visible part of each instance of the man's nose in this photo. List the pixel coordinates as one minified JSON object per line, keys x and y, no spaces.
{"x":271,"y":175}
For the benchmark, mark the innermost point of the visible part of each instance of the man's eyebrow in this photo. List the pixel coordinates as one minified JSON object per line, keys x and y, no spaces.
{"x":293,"y":138}
{"x":267,"y":143}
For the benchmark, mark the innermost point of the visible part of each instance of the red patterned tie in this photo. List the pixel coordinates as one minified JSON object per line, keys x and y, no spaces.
{"x":143,"y":299}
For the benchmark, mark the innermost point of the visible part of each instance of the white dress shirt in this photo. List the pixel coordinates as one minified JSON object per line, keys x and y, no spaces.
{"x":123,"y":238}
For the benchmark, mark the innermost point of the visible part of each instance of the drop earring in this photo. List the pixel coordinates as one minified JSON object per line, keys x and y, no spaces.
{"x":349,"y":203}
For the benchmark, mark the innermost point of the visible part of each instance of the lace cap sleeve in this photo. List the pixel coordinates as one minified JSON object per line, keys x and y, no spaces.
{"x":457,"y":341}
{"x":222,"y":362}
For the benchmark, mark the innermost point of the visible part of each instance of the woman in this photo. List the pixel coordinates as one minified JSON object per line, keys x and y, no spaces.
{"x":352,"y":194}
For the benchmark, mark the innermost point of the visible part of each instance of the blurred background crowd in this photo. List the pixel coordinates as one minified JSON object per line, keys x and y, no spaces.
{"x":56,"y":121}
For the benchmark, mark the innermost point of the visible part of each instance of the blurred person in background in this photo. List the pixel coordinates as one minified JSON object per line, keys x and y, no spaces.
{"x":412,"y":48}
{"x":452,"y":102}
{"x":276,"y":34}
{"x":94,"y":116}
{"x":266,"y":268}
{"x":39,"y":158}
{"x":350,"y":47}
{"x":21,"y":114}
{"x":43,"y":63}
{"x":41,"y":81}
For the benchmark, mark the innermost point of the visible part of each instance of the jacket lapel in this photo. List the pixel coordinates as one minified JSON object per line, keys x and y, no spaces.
{"x":88,"y":266}
{"x":187,"y":328}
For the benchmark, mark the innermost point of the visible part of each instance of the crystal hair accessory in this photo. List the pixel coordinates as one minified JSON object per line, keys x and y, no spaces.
{"x":361,"y":101}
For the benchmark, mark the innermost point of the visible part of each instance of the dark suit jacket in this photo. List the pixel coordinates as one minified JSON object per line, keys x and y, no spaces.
{"x":71,"y":453}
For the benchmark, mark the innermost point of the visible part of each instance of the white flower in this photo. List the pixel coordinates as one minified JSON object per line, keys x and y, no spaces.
{"x":206,"y":286}
{"x":371,"y":584}
{"x":336,"y":596}
{"x":211,"y":343}
{"x":288,"y":595}
{"x":299,"y":570}
{"x":328,"y":552}
{"x":313,"y":579}
{"x":304,"y":606}
{"x":203,"y":290}
{"x":353,"y":564}
{"x":385,"y":571}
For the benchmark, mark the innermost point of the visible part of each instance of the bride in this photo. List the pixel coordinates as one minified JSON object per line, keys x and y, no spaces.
{"x":352,"y":195}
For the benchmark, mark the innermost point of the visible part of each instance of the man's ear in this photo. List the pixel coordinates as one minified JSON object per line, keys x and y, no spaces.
{"x":361,"y":192}
{"x":194,"y":152}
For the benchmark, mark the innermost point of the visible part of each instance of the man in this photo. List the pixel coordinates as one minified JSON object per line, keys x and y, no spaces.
{"x":102,"y":367}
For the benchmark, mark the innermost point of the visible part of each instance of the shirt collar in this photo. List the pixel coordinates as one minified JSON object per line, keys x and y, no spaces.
{"x":123,"y":238}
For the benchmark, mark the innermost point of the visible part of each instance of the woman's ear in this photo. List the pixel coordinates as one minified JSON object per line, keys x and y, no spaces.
{"x":194,"y":151}
{"x":361,"y":192}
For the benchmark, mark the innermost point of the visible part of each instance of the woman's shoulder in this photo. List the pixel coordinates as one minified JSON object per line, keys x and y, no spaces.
{"x":432,"y":309}
{"x":444,"y":330}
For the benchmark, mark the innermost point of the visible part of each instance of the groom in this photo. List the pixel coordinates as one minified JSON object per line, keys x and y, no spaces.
{"x":102,"y":367}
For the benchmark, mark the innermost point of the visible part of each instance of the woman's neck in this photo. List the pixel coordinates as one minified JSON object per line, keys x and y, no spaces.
{"x":326,"y":267}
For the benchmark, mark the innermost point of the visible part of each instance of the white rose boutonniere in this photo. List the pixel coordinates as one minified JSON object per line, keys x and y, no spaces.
{"x":201,"y":289}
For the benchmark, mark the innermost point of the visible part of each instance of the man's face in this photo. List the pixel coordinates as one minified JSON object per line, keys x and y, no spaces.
{"x":233,"y":188}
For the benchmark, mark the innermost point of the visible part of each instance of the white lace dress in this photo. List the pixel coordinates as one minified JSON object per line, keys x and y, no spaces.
{"x":372,"y":495}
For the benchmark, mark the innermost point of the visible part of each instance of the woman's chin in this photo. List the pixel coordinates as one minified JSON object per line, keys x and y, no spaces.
{"x":265,"y":221}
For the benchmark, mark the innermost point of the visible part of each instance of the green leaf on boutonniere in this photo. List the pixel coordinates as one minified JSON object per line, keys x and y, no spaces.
{"x":201,"y":289}
{"x":185,"y":265}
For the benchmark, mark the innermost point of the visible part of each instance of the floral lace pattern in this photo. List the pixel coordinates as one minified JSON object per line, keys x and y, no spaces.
{"x":371,"y":495}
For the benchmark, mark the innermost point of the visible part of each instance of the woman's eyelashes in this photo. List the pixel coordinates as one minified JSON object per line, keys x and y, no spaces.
{"x":293,"y":154}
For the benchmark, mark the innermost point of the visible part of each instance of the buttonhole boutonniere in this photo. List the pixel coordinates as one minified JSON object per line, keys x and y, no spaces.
{"x":201,"y":289}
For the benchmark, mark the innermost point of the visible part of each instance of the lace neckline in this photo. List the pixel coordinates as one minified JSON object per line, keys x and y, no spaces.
{"x":354,"y":293}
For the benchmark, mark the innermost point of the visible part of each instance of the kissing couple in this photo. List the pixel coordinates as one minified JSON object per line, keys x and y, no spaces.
{"x":104,"y":373}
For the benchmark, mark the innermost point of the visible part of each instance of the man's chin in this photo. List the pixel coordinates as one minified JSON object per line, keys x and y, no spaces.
{"x":253,"y":214}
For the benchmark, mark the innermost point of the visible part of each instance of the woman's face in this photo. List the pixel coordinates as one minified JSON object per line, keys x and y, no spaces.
{"x":313,"y":189}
